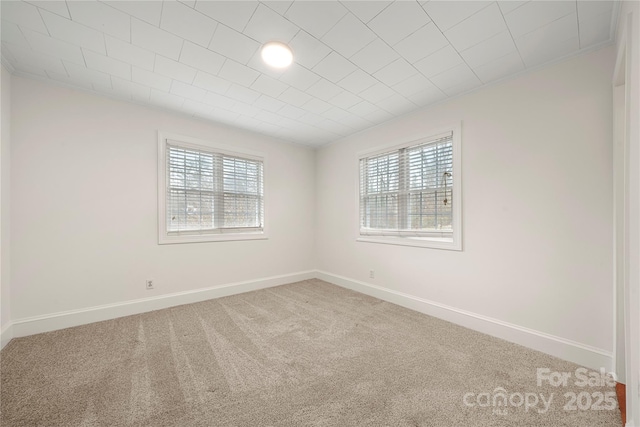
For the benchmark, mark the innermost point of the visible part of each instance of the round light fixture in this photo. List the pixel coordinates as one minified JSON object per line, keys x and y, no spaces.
{"x":277,"y":55}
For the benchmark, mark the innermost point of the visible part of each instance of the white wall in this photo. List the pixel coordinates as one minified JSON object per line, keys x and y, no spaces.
{"x":537,"y":206}
{"x":5,"y":162}
{"x":84,"y":198}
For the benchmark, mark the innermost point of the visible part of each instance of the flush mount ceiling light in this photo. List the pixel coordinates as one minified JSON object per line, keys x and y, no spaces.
{"x":277,"y":55}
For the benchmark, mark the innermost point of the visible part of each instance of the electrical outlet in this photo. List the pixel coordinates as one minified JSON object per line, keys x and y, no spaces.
{"x":150,"y":284}
{"x":372,"y":274}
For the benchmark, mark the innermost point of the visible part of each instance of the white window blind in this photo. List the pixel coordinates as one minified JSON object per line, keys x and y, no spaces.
{"x":212,"y":192}
{"x":409,"y":191}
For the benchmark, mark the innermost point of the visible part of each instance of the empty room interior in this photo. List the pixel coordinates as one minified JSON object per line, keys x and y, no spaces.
{"x":320,"y":213}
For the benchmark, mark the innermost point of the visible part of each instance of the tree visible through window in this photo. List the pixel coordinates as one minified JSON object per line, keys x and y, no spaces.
{"x":409,"y":191}
{"x":206,"y":191}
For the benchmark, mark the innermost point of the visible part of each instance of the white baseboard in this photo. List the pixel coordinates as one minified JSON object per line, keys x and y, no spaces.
{"x":572,"y":351}
{"x":6,"y":334}
{"x":67,"y":319}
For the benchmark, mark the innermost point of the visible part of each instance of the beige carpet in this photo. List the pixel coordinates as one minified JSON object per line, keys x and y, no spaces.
{"x":303,"y":354}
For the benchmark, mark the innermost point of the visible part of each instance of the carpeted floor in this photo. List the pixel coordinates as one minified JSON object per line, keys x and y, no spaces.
{"x":303,"y":354}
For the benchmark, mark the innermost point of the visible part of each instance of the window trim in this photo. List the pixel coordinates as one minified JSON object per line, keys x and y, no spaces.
{"x":164,"y":237}
{"x":425,"y":241}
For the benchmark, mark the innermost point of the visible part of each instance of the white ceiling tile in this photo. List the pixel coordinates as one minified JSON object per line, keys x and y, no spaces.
{"x":440,"y":61}
{"x":595,"y":30}
{"x":397,"y":104}
{"x":269,"y":86}
{"x":463,"y":87}
{"x":267,"y":124}
{"x":174,"y":69}
{"x":83,"y":74}
{"x":233,"y":44}
{"x":377,"y":93}
{"x":151,"y":79}
{"x":334,"y":113}
{"x":489,"y":50}
{"x":211,"y":83}
{"x":324,"y":89}
{"x":242,"y":94}
{"x":374,"y":56}
{"x":348,"y":36}
{"x":269,"y":117}
{"x":499,"y":68}
{"x":196,"y":108}
{"x":536,"y":14}
{"x":102,"y":17}
{"x":64,"y":78}
{"x":379,"y":116}
{"x":421,"y":43}
{"x":291,"y":112}
{"x":427,"y":96}
{"x":312,"y":118}
{"x":238,"y":73}
{"x":23,"y":14}
{"x":299,"y":77}
{"x":316,"y":17}
{"x":154,"y":39}
{"x":589,"y":9}
{"x":32,"y":59}
{"x":316,"y":106}
{"x":218,"y":101}
{"x":412,"y":85}
{"x":148,"y":10}
{"x":507,"y":6}
{"x":357,"y":81}
{"x":187,"y":91}
{"x":334,"y":67}
{"x":268,"y":103}
{"x":398,"y":20}
{"x":366,"y":10}
{"x":50,"y":46}
{"x":234,"y":14}
{"x":446,"y":14}
{"x":294,"y":97}
{"x":11,"y":33}
{"x":535,"y":44}
{"x":345,"y":100}
{"x":478,"y":27}
{"x":166,"y":100}
{"x":73,"y":32}
{"x":308,"y":50}
{"x":200,"y":58}
{"x":187,"y":23}
{"x":103,"y":63}
{"x":280,"y":6}
{"x":395,"y":72}
{"x":266,"y":25}
{"x":190,"y":3}
{"x":363,"y":108}
{"x":138,"y":92}
{"x":127,"y":52}
{"x":59,"y":7}
{"x":456,"y":76}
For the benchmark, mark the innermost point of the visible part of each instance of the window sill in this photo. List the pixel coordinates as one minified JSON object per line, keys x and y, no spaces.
{"x":422,"y":242}
{"x":204,"y":238}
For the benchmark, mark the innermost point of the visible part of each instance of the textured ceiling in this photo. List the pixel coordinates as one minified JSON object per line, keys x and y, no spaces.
{"x":356,"y":63}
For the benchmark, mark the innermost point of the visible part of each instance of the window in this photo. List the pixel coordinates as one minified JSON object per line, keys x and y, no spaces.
{"x":410,"y":194}
{"x":207,"y":192}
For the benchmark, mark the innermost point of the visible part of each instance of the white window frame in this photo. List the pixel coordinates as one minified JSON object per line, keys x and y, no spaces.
{"x":420,"y":239}
{"x":164,"y":237}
